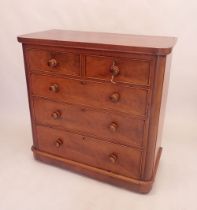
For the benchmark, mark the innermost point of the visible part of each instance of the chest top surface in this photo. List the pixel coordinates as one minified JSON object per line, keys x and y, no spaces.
{"x":105,"y":41}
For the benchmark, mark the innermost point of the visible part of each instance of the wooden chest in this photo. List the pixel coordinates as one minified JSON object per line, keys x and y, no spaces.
{"x":97,"y":102}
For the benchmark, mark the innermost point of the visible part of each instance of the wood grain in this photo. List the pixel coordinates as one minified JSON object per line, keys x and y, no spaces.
{"x":130,"y":70}
{"x":83,"y":119}
{"x":66,"y":63}
{"x":102,"y":41}
{"x":97,"y":102}
{"x":90,"y":151}
{"x":132,"y":100}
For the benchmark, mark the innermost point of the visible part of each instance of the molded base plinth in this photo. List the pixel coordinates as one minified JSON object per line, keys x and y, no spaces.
{"x":99,"y":174}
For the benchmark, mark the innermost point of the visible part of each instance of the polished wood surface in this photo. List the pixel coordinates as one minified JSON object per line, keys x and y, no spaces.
{"x":109,"y":41}
{"x":138,"y":185}
{"x":97,"y":102}
{"x":53,"y":61}
{"x":111,"y":157}
{"x":124,"y":70}
{"x":130,"y":100}
{"x":108,"y":126}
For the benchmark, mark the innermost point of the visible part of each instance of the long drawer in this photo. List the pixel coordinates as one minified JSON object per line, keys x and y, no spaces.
{"x":109,"y":126}
{"x":111,"y":157}
{"x":99,"y":95}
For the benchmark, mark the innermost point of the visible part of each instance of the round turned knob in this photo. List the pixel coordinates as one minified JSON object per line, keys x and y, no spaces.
{"x":54,"y":88}
{"x":114,"y":69}
{"x":113,"y":126}
{"x":83,"y":82}
{"x":52,"y":63}
{"x":58,"y":143}
{"x":115,"y":97}
{"x":113,"y":157}
{"x":56,"y":115}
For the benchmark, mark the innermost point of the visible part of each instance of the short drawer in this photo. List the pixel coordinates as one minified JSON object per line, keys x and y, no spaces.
{"x":108,"y":156}
{"x":122,"y":69}
{"x":52,"y":61}
{"x":109,"y":126}
{"x":99,"y":95}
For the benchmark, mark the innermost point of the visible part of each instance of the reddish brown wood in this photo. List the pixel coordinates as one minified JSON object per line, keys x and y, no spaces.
{"x":100,"y":174}
{"x":129,"y":70}
{"x":90,"y":151}
{"x":131,"y":100}
{"x":97,"y":102}
{"x":104,"y":41}
{"x":128,"y":131}
{"x":157,"y":112}
{"x":53,"y":61}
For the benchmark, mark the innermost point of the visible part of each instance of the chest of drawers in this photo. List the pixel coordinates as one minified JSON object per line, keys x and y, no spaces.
{"x":97,"y":102}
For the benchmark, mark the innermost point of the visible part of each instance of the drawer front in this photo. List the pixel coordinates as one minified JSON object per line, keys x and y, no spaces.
{"x":108,"y":156}
{"x":123,"y":69}
{"x":112,"y":127}
{"x":108,"y":96}
{"x":56,"y":62}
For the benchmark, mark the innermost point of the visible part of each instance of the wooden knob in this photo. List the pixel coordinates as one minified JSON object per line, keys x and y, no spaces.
{"x":113,"y":126}
{"x":54,"y":88}
{"x":115,"y":97}
{"x":58,"y":143}
{"x":114,"y":69}
{"x":83,"y":82}
{"x":113,"y":157}
{"x":56,"y":115}
{"x":52,"y":63}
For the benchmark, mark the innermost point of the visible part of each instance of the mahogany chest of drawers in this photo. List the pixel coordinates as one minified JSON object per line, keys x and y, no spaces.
{"x":97,"y":102}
